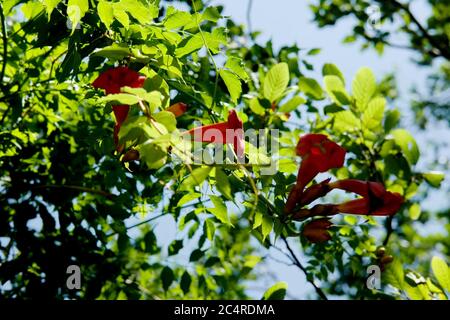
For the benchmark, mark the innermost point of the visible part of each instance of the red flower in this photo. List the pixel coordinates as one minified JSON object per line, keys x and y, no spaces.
{"x":314,"y":192}
{"x":376,"y":201}
{"x":319,"y":154}
{"x":317,"y":230}
{"x":178,"y":108}
{"x":112,"y":81}
{"x":230,"y":131}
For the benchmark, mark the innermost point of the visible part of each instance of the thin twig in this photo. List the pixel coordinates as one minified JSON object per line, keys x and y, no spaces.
{"x":5,"y":44}
{"x":78,"y":188}
{"x":296,"y":261}
{"x":138,"y":224}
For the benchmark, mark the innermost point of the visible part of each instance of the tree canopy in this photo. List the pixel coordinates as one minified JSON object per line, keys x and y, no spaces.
{"x":102,"y":103}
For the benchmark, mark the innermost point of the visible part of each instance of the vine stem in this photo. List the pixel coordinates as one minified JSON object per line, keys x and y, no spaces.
{"x":5,"y":44}
{"x":297,"y":262}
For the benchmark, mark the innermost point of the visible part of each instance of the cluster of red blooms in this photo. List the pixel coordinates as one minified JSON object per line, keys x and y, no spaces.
{"x":319,"y":154}
{"x":230,"y":131}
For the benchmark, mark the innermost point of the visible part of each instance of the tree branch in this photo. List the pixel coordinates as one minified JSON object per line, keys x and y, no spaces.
{"x":444,"y":51}
{"x":78,"y":188}
{"x":296,"y":262}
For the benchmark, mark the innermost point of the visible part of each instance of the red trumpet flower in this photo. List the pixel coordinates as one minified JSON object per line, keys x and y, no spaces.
{"x":230,"y":131}
{"x":317,"y":230}
{"x":319,"y":154}
{"x":376,"y":201}
{"x":112,"y":81}
{"x":177,"y":109}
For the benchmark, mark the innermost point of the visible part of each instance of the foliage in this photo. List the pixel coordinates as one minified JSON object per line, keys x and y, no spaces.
{"x":69,"y":198}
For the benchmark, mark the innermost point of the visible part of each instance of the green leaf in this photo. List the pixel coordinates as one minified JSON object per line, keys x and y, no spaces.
{"x":186,"y":281}
{"x":196,"y":177}
{"x":196,"y":255}
{"x":70,"y":64}
{"x":175,"y":247}
{"x":330,"y":69}
{"x":346,"y":121}
{"x":336,"y":90}
{"x":177,"y":19}
{"x":392,"y":119}
{"x":151,"y":244}
{"x":276,"y":292}
{"x":395,"y":275}
{"x":258,"y":219}
{"x":120,"y":98}
{"x":235,"y":65}
{"x":313,"y":52}
{"x":50,"y":5}
{"x":114,"y":51}
{"x":311,"y":88}
{"x":223,"y":184}
{"x":188,"y":197}
{"x":267,"y":226}
{"x":252,"y":261}
{"x":152,"y":98}
{"x":167,"y":119}
{"x":219,"y":210}
{"x":434,"y":178}
{"x":30,"y":9}
{"x":105,"y":12}
{"x":209,"y":229}
{"x":155,"y":82}
{"x":153,"y":154}
{"x":138,"y":129}
{"x":407,"y":144}
{"x":143,"y":14}
{"x":167,"y":277}
{"x":276,"y":81}
{"x":256,"y":107}
{"x":414,"y":211}
{"x":233,"y":84}
{"x":363,"y":87}
{"x":441,"y":272}
{"x":373,"y":115}
{"x":215,"y":39}
{"x":292,"y":104}
{"x":188,"y":46}
{"x":76,"y":9}
{"x":211,"y":14}
{"x":120,"y":13}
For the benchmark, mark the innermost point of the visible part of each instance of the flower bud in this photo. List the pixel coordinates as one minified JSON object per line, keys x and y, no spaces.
{"x":131,"y":155}
{"x":316,"y":231}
